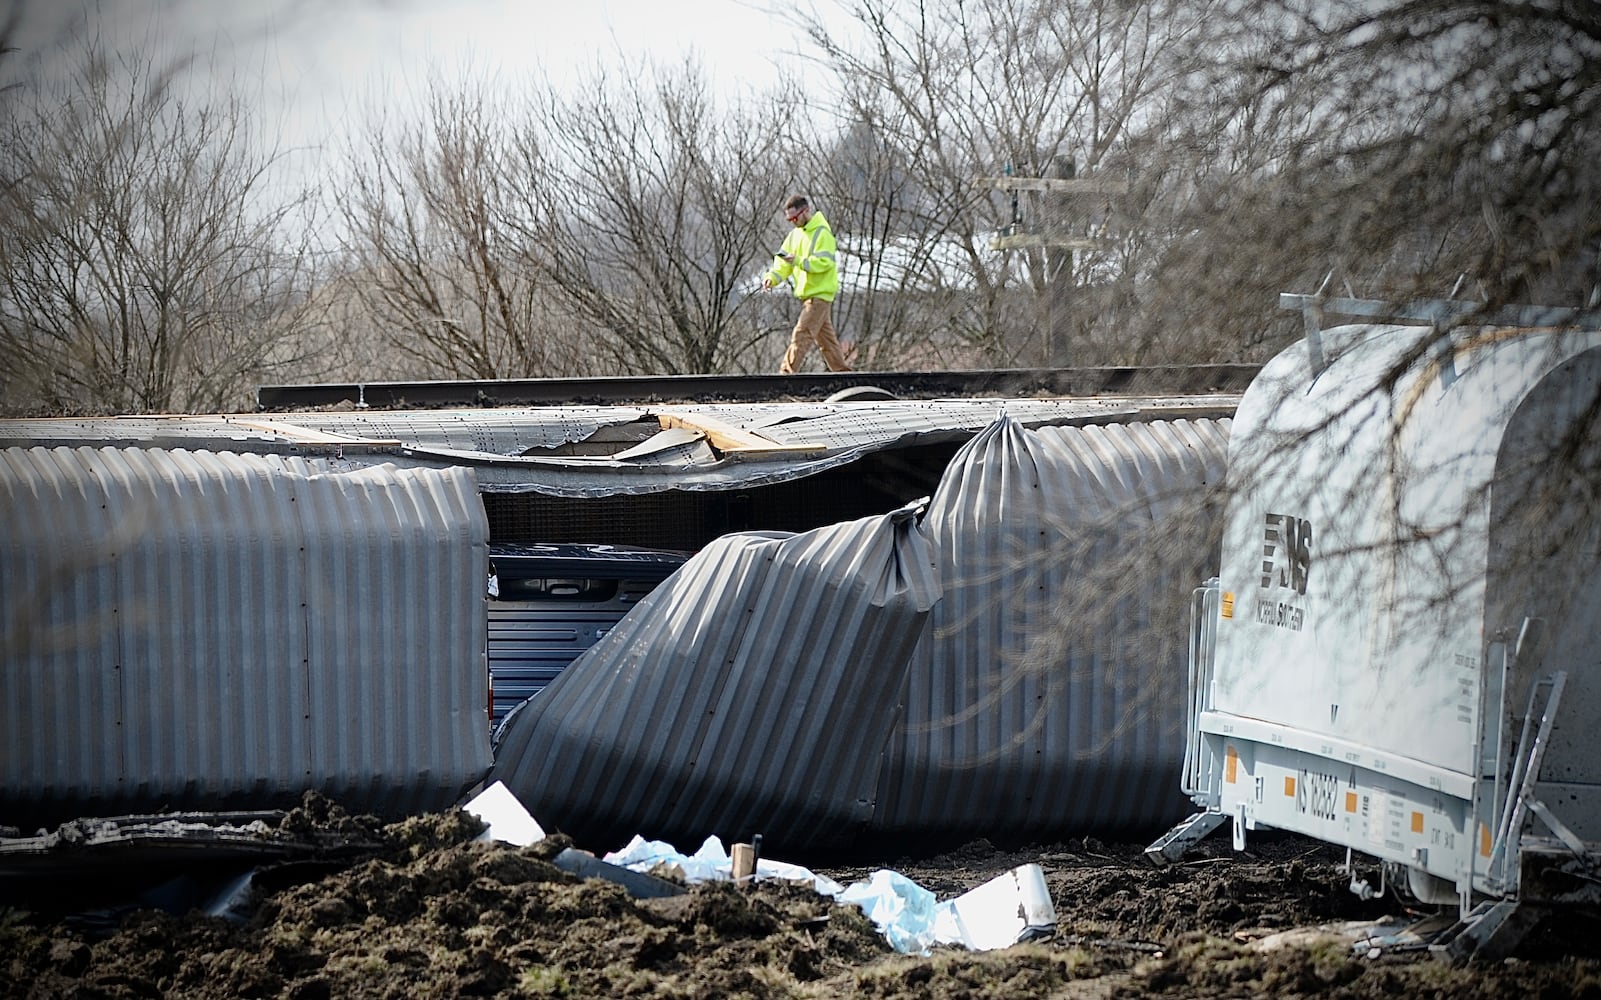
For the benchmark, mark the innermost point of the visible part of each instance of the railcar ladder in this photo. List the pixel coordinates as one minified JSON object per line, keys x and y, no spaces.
{"x":1494,"y":928}
{"x":1503,"y":868}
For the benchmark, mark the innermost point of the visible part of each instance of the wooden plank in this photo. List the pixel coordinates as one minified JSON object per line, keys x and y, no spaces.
{"x":742,"y":862}
{"x":307,"y":435}
{"x":727,"y":437}
{"x":1057,"y":185}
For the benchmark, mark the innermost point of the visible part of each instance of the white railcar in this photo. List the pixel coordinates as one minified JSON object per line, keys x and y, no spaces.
{"x":1402,"y":652}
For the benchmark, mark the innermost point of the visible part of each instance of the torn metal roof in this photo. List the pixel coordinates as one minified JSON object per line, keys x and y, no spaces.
{"x":582,"y":451}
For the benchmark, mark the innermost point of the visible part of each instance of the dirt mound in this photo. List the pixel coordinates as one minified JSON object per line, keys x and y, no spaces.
{"x":432,"y":913}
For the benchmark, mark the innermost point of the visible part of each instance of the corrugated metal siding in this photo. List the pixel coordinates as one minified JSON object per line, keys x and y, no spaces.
{"x":750,"y":693}
{"x":1048,"y":693}
{"x":210,"y":630}
{"x":506,"y":448}
{"x":530,"y":643}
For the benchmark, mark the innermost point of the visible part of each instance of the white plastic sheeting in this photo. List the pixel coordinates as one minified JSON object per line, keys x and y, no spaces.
{"x":1009,"y":908}
{"x":198,"y":630}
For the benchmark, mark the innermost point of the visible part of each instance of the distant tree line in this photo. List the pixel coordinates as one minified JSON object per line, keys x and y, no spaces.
{"x":153,"y":257}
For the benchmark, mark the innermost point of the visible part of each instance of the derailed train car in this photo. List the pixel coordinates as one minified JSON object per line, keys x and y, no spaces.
{"x":210,"y":631}
{"x":1045,"y":697}
{"x":977,"y":672}
{"x":1401,"y":655}
{"x":750,"y":692}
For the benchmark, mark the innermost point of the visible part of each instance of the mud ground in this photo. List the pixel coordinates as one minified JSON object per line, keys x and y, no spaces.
{"x":433,"y":914}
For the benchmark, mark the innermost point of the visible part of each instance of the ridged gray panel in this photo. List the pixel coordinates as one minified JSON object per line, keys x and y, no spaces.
{"x":492,"y":441}
{"x":752,"y":692}
{"x":210,"y":630}
{"x":496,"y":431}
{"x":1048,"y":693}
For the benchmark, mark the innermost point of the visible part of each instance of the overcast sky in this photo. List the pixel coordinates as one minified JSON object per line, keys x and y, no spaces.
{"x":319,"y":62}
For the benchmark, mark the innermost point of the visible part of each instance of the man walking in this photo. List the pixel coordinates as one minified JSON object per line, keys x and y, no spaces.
{"x":807,"y":260}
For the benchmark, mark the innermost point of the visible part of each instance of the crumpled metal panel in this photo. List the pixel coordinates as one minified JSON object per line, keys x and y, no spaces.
{"x":724,"y":703}
{"x":196,"y":630}
{"x":524,"y":449}
{"x":752,"y":692}
{"x":1048,"y":693}
{"x":494,"y":431}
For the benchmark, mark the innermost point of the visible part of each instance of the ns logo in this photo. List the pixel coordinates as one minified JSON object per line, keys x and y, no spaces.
{"x":1286,"y":552}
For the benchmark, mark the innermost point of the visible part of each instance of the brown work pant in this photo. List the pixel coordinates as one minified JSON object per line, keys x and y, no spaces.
{"x":814,"y":325}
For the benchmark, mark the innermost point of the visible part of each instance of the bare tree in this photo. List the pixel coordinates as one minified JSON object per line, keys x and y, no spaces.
{"x":952,"y":92}
{"x":1401,"y":146}
{"x":653,"y":218}
{"x":890,"y":277}
{"x":1265,"y":143}
{"x":147,"y":263}
{"x":1458,"y":158}
{"x":435,"y":253}
{"x":615,"y":232}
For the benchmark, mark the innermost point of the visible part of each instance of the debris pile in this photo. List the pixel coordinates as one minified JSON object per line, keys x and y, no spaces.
{"x":431,"y":910}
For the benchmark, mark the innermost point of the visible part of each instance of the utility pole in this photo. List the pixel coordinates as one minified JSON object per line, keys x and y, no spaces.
{"x":1058,"y":270}
{"x":1054,"y":235}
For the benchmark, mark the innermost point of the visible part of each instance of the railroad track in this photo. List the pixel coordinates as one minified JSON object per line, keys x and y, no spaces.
{"x":1008,"y":382}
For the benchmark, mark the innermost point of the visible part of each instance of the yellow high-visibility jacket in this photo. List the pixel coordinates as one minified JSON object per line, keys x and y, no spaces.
{"x":814,"y":273}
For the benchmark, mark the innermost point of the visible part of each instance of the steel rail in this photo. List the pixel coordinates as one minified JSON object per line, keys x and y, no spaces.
{"x":1008,"y":382}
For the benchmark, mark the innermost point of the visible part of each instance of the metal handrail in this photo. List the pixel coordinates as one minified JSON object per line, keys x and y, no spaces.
{"x":1203,"y":653}
{"x":1526,"y":772}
